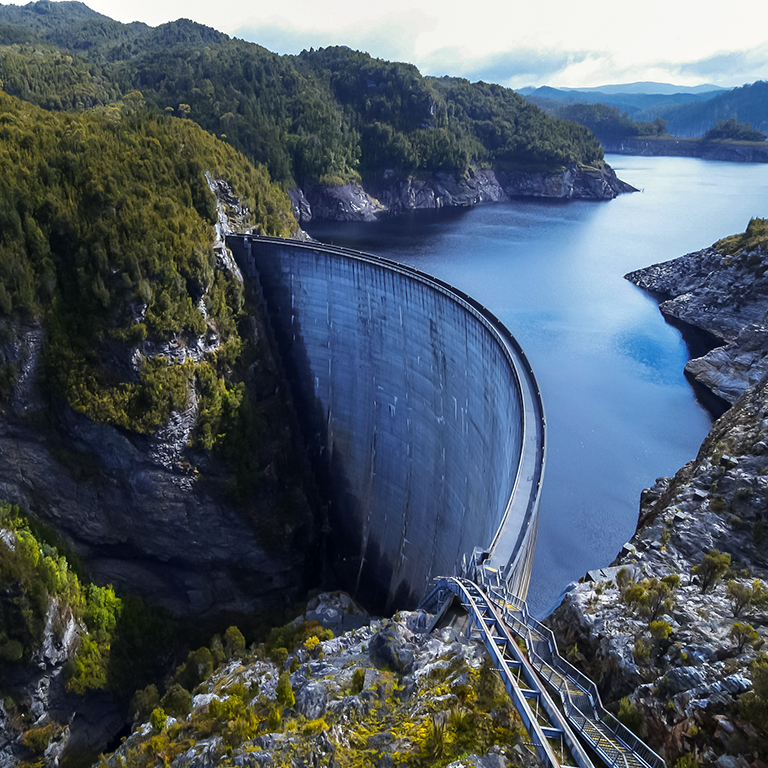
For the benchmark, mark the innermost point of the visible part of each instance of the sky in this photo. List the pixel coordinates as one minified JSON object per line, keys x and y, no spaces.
{"x":563,"y":43}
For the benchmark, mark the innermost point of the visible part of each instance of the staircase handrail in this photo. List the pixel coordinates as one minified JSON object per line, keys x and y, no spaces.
{"x":496,"y":589}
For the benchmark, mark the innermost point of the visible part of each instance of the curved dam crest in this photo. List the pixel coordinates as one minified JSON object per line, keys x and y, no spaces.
{"x":421,"y":414}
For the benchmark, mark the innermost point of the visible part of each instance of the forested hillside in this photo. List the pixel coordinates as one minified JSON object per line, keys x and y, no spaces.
{"x":628,"y":115}
{"x":106,"y":231}
{"x":748,"y":104}
{"x":326,"y":116}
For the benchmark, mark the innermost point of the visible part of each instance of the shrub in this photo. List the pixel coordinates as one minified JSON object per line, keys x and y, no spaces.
{"x":754,"y":704}
{"x":629,"y":715}
{"x":358,"y":680}
{"x":641,"y":651}
{"x":744,"y":634}
{"x":660,"y":630}
{"x":275,"y":720}
{"x":158,"y":719}
{"x":177,"y":701}
{"x":712,"y":567}
{"x":285,"y":694}
{"x":144,"y":701}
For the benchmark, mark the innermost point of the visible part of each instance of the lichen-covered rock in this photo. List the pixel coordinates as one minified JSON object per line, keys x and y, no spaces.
{"x":346,"y":712}
{"x":686,"y":675}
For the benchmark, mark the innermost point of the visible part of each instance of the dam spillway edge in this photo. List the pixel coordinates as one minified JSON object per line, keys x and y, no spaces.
{"x":419,"y":409}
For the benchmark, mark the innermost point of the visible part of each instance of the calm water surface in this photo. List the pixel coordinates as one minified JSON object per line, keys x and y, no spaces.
{"x":620,"y":412}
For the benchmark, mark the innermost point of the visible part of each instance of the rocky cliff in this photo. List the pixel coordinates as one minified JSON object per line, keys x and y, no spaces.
{"x":726,"y":295}
{"x":369,"y":200}
{"x":381,"y":695}
{"x":150,"y":513}
{"x":672,"y":631}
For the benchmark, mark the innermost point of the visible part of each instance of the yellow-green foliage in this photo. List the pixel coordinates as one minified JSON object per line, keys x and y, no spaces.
{"x":292,"y":635}
{"x":285,"y":694}
{"x":711,"y":568}
{"x":754,"y":704}
{"x":102,"y":214}
{"x":755,"y":235}
{"x":432,"y":733}
{"x":32,"y":573}
{"x":651,"y":597}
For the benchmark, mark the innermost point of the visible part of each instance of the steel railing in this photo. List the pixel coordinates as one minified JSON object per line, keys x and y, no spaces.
{"x":610,"y":738}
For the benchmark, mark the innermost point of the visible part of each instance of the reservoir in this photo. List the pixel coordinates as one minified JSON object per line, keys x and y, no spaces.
{"x":620,"y":411}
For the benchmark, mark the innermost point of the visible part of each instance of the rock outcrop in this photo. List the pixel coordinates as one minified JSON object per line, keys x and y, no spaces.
{"x":726,"y":296}
{"x":676,"y":624}
{"x":390,"y":195}
{"x":151,"y":514}
{"x":340,"y":702}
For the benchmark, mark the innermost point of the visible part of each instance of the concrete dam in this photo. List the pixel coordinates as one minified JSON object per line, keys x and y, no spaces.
{"x":421,"y":414}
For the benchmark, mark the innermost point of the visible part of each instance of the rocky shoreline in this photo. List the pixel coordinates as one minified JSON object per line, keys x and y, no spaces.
{"x":734,"y":152}
{"x":672,"y":630}
{"x":370,"y":200}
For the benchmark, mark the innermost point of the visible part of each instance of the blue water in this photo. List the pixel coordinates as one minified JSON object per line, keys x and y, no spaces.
{"x":620,"y":412}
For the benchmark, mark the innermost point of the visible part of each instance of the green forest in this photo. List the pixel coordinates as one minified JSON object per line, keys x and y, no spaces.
{"x":106,"y":233}
{"x":325,"y":116}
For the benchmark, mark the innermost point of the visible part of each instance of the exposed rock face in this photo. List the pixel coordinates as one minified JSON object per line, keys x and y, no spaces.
{"x":149,"y":513}
{"x":687,"y":686}
{"x":349,"y":202}
{"x":726,"y":296}
{"x":720,"y":294}
{"x":732,"y":370}
{"x":353,"y":709}
{"x":441,"y":191}
{"x":356,"y":202}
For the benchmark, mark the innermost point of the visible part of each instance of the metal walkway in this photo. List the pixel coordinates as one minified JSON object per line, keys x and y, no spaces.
{"x":499,"y":617}
{"x":550,"y":736}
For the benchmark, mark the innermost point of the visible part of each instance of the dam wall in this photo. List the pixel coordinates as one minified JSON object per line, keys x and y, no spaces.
{"x":419,"y":410}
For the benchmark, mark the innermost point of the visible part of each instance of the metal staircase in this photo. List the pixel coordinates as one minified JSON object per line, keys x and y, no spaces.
{"x":500,"y":617}
{"x":550,"y":736}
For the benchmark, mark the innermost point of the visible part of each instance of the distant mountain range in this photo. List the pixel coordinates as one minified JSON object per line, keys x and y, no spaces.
{"x":647,"y":86}
{"x":689,"y":111}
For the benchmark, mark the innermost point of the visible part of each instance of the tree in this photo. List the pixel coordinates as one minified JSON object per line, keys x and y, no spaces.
{"x":177,"y":701}
{"x":732,"y":130}
{"x":712,"y":567}
{"x":744,"y":634}
{"x":234,"y":643}
{"x":285,"y":695}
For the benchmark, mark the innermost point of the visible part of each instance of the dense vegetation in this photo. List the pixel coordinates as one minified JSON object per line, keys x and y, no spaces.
{"x":609,"y":123}
{"x":746,"y":105}
{"x":105,"y":232}
{"x":686,"y":115}
{"x":324,"y":116}
{"x":125,"y":641}
{"x":731,"y":130}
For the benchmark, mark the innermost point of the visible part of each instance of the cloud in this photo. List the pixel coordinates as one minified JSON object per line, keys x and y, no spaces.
{"x":522,"y":65}
{"x":730,"y":66}
{"x":392,"y":37}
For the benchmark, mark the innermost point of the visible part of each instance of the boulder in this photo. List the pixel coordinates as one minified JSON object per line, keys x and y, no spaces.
{"x":312,"y":699}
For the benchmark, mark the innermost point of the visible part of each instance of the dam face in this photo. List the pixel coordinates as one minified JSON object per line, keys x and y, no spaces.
{"x":419,"y":410}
